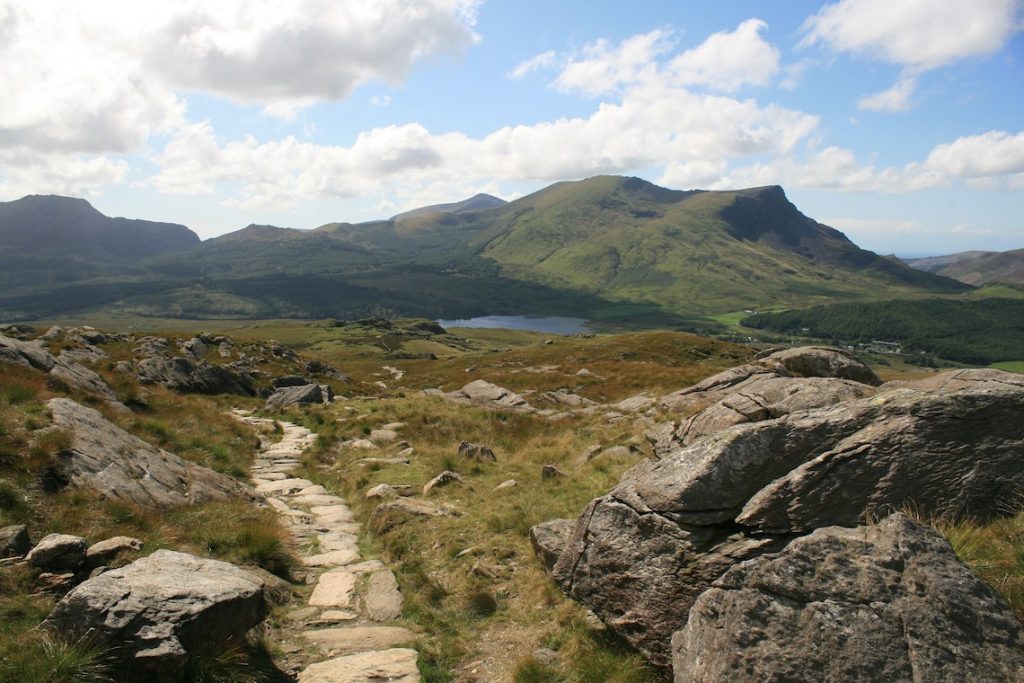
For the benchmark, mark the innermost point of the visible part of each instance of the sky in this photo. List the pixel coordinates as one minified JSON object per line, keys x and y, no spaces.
{"x":900,"y":122}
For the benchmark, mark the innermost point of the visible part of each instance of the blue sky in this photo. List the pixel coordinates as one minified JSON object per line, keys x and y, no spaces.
{"x":900,"y":122}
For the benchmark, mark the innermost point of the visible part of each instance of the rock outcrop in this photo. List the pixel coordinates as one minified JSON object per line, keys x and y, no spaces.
{"x":157,"y":610}
{"x":782,"y":382}
{"x":104,"y":457}
{"x":65,"y":370}
{"x":187,"y":374}
{"x":888,"y":602}
{"x":483,"y":393}
{"x":305,"y":393}
{"x":640,"y":555}
{"x":14,"y":541}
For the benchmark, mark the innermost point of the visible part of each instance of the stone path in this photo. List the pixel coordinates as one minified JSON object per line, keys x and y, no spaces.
{"x":354,"y":609}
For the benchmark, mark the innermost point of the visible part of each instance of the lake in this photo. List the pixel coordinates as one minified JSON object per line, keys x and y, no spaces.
{"x":553,"y":325}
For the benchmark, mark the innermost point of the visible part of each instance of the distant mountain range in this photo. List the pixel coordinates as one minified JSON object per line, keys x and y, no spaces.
{"x":606,"y":247}
{"x":976,"y":267}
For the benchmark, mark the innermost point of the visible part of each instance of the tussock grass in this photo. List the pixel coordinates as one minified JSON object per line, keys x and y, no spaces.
{"x":995,"y":551}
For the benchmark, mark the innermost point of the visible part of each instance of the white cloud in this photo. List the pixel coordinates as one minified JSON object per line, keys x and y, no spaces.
{"x":57,"y":173}
{"x":604,"y":69}
{"x":649,"y":126}
{"x":544,"y":60}
{"x":104,"y":76}
{"x":380,"y":100}
{"x":992,"y":160}
{"x":724,"y":62}
{"x":993,"y":153}
{"x":896,"y":98}
{"x":917,"y":34}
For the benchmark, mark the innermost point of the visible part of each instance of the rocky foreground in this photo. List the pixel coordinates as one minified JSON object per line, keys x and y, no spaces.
{"x":737,"y":555}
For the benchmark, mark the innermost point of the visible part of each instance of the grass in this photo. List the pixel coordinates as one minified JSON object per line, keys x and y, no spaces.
{"x":995,"y":551}
{"x":1010,"y":366}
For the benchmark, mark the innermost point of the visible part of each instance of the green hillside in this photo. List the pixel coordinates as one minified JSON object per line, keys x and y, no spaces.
{"x":608,"y":247}
{"x":971,"y":330}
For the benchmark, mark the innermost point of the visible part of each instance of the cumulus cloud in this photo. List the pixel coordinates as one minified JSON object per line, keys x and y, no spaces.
{"x":57,"y":173}
{"x":104,"y":76}
{"x":728,"y":60}
{"x":724,"y":62}
{"x":918,"y":34}
{"x":650,"y":125}
{"x":992,"y":160}
{"x":896,"y":98}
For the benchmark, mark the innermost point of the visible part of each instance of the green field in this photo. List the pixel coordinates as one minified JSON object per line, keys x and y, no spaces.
{"x":1011,"y":366}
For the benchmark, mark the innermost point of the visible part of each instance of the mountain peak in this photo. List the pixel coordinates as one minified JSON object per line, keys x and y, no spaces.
{"x":477,"y":202}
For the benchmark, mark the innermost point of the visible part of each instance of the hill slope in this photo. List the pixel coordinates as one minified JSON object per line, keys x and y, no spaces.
{"x":977,"y":267}
{"x":605,"y":247}
{"x":48,"y":239}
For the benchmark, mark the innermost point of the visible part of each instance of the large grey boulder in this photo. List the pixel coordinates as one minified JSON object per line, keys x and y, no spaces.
{"x":157,"y":610}
{"x":777,"y":384}
{"x":293,"y":395}
{"x":58,"y":552}
{"x":483,"y":393}
{"x":640,"y":555}
{"x":104,"y":457}
{"x":191,"y":375}
{"x":820,"y":361}
{"x":888,"y":602}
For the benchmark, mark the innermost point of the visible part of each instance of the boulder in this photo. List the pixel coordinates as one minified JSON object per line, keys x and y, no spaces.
{"x":444,"y":479}
{"x":551,"y":472}
{"x":640,"y":555}
{"x":821,"y":361}
{"x":14,"y":541}
{"x":104,"y":457}
{"x":104,"y":552}
{"x":32,"y":354}
{"x":58,"y":552}
{"x":549,"y":540}
{"x":887,"y":602}
{"x":564,"y":397}
{"x":293,"y":395}
{"x":482,"y":393}
{"x":388,"y":491}
{"x":387,"y":515}
{"x":476,"y":452}
{"x":158,"y":610}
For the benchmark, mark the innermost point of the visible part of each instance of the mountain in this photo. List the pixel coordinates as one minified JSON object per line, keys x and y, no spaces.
{"x":475,"y":203}
{"x":46,"y":239}
{"x":608,"y":247}
{"x":976,"y":267}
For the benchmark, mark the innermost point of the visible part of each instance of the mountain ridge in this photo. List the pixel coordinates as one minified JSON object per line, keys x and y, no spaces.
{"x":976,"y":267}
{"x":607,"y":245}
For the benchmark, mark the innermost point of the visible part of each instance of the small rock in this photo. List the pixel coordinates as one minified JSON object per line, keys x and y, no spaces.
{"x":551,"y":472}
{"x":476,"y":452}
{"x":50,"y":582}
{"x":334,"y":589}
{"x":443,"y":479}
{"x":383,"y":435}
{"x":58,"y":552}
{"x":546,"y":656}
{"x":105,"y":551}
{"x":365,"y":444}
{"x":383,"y":601}
{"x":388,"y":491}
{"x":393,"y":665}
{"x":507,"y":484}
{"x":394,"y":426}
